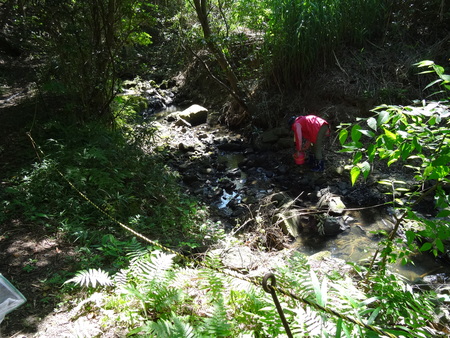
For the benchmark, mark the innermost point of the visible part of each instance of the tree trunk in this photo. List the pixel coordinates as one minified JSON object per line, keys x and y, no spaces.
{"x":202,"y":14}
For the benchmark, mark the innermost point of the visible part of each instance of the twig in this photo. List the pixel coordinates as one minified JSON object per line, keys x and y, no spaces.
{"x":339,"y":65}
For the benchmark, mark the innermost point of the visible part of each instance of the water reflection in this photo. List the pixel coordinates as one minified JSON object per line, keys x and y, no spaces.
{"x":359,"y":243}
{"x":232,"y":160}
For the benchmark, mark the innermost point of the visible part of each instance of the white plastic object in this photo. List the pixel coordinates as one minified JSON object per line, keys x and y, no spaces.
{"x":10,"y":297}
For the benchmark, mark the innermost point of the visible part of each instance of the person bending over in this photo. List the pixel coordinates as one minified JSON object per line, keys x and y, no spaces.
{"x":310,"y":130}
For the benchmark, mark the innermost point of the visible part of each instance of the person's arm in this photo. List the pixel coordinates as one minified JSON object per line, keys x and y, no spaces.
{"x":298,"y":136}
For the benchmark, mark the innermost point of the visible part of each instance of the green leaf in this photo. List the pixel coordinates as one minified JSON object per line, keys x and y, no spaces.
{"x":368,"y":133}
{"x":343,"y":134}
{"x":428,"y":170}
{"x":354,"y":173}
{"x":365,"y":168}
{"x":387,"y":142}
{"x":399,"y":201}
{"x":373,"y":316}
{"x":390,"y":135}
{"x":424,"y":63}
{"x":441,"y":160}
{"x":410,"y":236}
{"x":357,"y":157}
{"x":371,"y":150}
{"x":433,"y":83}
{"x":416,"y":144}
{"x":439,"y":245}
{"x":392,"y":160}
{"x":356,"y":133}
{"x":426,"y":246}
{"x":445,"y":77}
{"x":443,"y":213}
{"x":372,"y":123}
{"x":439,"y":172}
{"x":317,"y":289}
{"x":406,"y":150}
{"x":402,"y":189}
{"x":383,"y":117}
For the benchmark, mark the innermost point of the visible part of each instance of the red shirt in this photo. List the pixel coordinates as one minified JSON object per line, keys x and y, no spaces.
{"x":307,"y":127}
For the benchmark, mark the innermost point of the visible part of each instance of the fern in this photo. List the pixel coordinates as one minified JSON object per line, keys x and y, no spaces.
{"x":135,"y":249}
{"x":174,"y":327}
{"x":163,"y":299}
{"x":217,"y":325}
{"x":153,"y":267}
{"x":91,"y":277}
{"x":121,"y":277}
{"x":213,"y":282}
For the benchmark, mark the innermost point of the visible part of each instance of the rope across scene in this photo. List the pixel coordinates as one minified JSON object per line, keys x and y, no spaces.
{"x":270,"y":288}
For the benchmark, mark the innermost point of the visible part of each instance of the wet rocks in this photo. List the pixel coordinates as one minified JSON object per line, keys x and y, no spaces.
{"x":276,"y":138}
{"x":256,"y":182}
{"x":193,"y":116}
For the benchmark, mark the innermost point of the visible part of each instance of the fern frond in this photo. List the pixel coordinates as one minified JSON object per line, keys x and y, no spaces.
{"x":153,"y":268}
{"x":121,"y":277}
{"x":182,"y":329}
{"x":217,"y":325}
{"x":307,"y":322}
{"x":136,"y":249}
{"x":91,"y":277}
{"x":172,"y":327}
{"x":212,"y":281}
{"x":163,"y":298}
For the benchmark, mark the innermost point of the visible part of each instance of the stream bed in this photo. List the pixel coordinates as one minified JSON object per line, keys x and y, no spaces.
{"x":359,"y":243}
{"x":232,"y":175}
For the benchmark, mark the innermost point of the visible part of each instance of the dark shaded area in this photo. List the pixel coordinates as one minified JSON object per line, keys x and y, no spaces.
{"x":37,"y":264}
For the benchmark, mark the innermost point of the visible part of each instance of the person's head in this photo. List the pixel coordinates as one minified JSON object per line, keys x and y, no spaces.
{"x":291,"y":121}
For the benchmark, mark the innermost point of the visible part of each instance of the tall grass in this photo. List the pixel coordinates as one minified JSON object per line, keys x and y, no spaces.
{"x":303,"y":34}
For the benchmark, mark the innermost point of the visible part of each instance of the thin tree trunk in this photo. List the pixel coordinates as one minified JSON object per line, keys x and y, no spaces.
{"x":202,"y":14}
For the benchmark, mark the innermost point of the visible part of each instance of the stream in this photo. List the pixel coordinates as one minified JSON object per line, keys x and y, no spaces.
{"x":357,"y":244}
{"x":225,"y":171}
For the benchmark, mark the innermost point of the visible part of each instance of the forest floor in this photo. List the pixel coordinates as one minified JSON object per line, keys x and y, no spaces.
{"x":29,"y":256}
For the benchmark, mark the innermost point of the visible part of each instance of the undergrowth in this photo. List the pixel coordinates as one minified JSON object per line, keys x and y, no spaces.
{"x":158,"y":296}
{"x":132,"y":186}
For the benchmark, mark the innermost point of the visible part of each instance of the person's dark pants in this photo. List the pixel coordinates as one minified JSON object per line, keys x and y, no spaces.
{"x":317,"y":148}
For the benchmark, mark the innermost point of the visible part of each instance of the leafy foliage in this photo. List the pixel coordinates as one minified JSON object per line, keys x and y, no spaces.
{"x":285,"y":37}
{"x":83,"y":43}
{"x":91,"y":277}
{"x":172,"y":327}
{"x":170,"y":297}
{"x":153,"y":295}
{"x":116,"y":176}
{"x":300,"y":32}
{"x":416,"y":137}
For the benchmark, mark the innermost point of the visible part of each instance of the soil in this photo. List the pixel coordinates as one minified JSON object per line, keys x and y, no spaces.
{"x":33,"y":260}
{"x":30,"y":256}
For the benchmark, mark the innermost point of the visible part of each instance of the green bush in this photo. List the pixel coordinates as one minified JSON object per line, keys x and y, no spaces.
{"x":417,"y":138}
{"x":128,"y":184}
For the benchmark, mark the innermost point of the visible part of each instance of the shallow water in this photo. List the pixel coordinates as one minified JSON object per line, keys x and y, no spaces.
{"x":232,"y":160}
{"x":359,"y":243}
